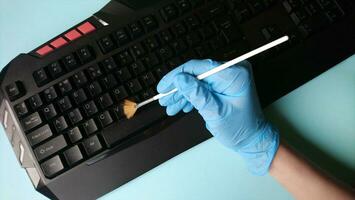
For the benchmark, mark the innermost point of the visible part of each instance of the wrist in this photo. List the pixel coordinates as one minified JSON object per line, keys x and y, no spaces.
{"x":260,"y":152}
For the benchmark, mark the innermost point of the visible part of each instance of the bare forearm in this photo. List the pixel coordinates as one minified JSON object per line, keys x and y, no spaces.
{"x":304,"y":181}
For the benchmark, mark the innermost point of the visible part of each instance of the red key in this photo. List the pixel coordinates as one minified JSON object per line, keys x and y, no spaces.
{"x":58,"y":42}
{"x":72,"y":35}
{"x":44,"y":50}
{"x":86,"y":28}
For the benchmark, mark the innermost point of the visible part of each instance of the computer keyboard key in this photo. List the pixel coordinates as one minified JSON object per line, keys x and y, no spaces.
{"x":119,"y":93}
{"x":134,"y":86}
{"x":105,"y":101}
{"x":104,"y":119}
{"x":52,"y":166}
{"x":217,"y":42}
{"x":39,"y":135}
{"x":124,"y":58}
{"x":15,"y":90}
{"x":49,"y":112}
{"x":149,"y":23}
{"x":165,"y":52}
{"x":74,"y":135}
{"x":178,"y":46}
{"x":206,"y":32}
{"x":178,"y":29}
{"x":109,"y":81}
{"x":41,"y":77}
{"x":312,"y":8}
{"x":73,"y":155}
{"x":21,"y":109}
{"x":79,"y":96}
{"x":256,"y":5}
{"x":31,"y":121}
{"x":118,"y":111}
{"x":141,"y":120}
{"x":196,"y":3}
{"x":60,"y":124}
{"x":137,"y":68}
{"x":160,"y":71}
{"x":70,"y":62}
{"x":55,"y":70}
{"x":193,"y":39}
{"x":166,"y":36}
{"x":135,"y":29}
{"x":151,"y":60}
{"x":64,"y":104}
{"x":183,"y":5}
{"x":94,"y":72}
{"x":148,"y":79}
{"x":123,"y":74}
{"x":108,"y":64}
{"x":79,"y":79}
{"x":192,"y":22}
{"x":138,"y":50}
{"x":122,"y":36}
{"x":85,"y":54}
{"x":35,"y":101}
{"x":94,"y":89}
{"x":64,"y":86}
{"x":89,"y":127}
{"x":106,"y":44}
{"x":151,"y":43}
{"x":147,"y":94}
{"x":90,"y":108}
{"x":169,"y":12}
{"x":50,"y":94}
{"x":49,"y":148}
{"x":75,"y":116}
{"x":92,"y":145}
{"x":211,"y":11}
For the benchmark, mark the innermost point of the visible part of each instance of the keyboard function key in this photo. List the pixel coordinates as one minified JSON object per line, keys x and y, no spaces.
{"x":85,"y":54}
{"x":40,"y":77}
{"x":73,"y":155}
{"x":31,"y":121}
{"x":122,"y":37}
{"x":58,"y":42}
{"x":52,"y":166}
{"x":70,"y":62}
{"x":46,"y":49}
{"x":51,"y":147}
{"x":55,"y":70}
{"x":106,"y":44}
{"x":39,"y":135}
{"x":15,"y":90}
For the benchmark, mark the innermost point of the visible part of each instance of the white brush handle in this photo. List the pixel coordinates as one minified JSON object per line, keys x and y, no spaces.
{"x":222,"y":67}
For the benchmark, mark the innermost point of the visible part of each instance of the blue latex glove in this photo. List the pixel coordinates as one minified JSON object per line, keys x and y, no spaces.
{"x":228,"y":103}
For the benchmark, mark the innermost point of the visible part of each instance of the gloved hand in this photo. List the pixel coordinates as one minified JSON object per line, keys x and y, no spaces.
{"x":228,"y":103}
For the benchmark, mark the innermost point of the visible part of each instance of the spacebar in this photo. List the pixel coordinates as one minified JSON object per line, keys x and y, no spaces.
{"x":121,"y":130}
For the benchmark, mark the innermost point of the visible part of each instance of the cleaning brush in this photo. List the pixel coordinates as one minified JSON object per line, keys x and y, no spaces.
{"x":130,"y":107}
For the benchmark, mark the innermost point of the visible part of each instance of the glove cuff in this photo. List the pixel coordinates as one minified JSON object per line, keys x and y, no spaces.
{"x":260,"y":153}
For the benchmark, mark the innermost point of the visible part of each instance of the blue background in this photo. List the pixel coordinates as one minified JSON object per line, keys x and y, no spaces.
{"x":318,"y":119}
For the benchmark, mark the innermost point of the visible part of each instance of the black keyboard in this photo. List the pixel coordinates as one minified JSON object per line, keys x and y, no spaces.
{"x":79,"y":90}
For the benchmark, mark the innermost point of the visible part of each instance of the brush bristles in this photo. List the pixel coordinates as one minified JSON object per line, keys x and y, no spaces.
{"x":129,"y":108}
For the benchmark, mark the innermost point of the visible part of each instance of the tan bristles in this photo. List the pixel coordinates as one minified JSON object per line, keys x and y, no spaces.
{"x":129,"y":108}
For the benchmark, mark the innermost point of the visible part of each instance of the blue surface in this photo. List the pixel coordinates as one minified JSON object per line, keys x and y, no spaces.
{"x":318,"y":119}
